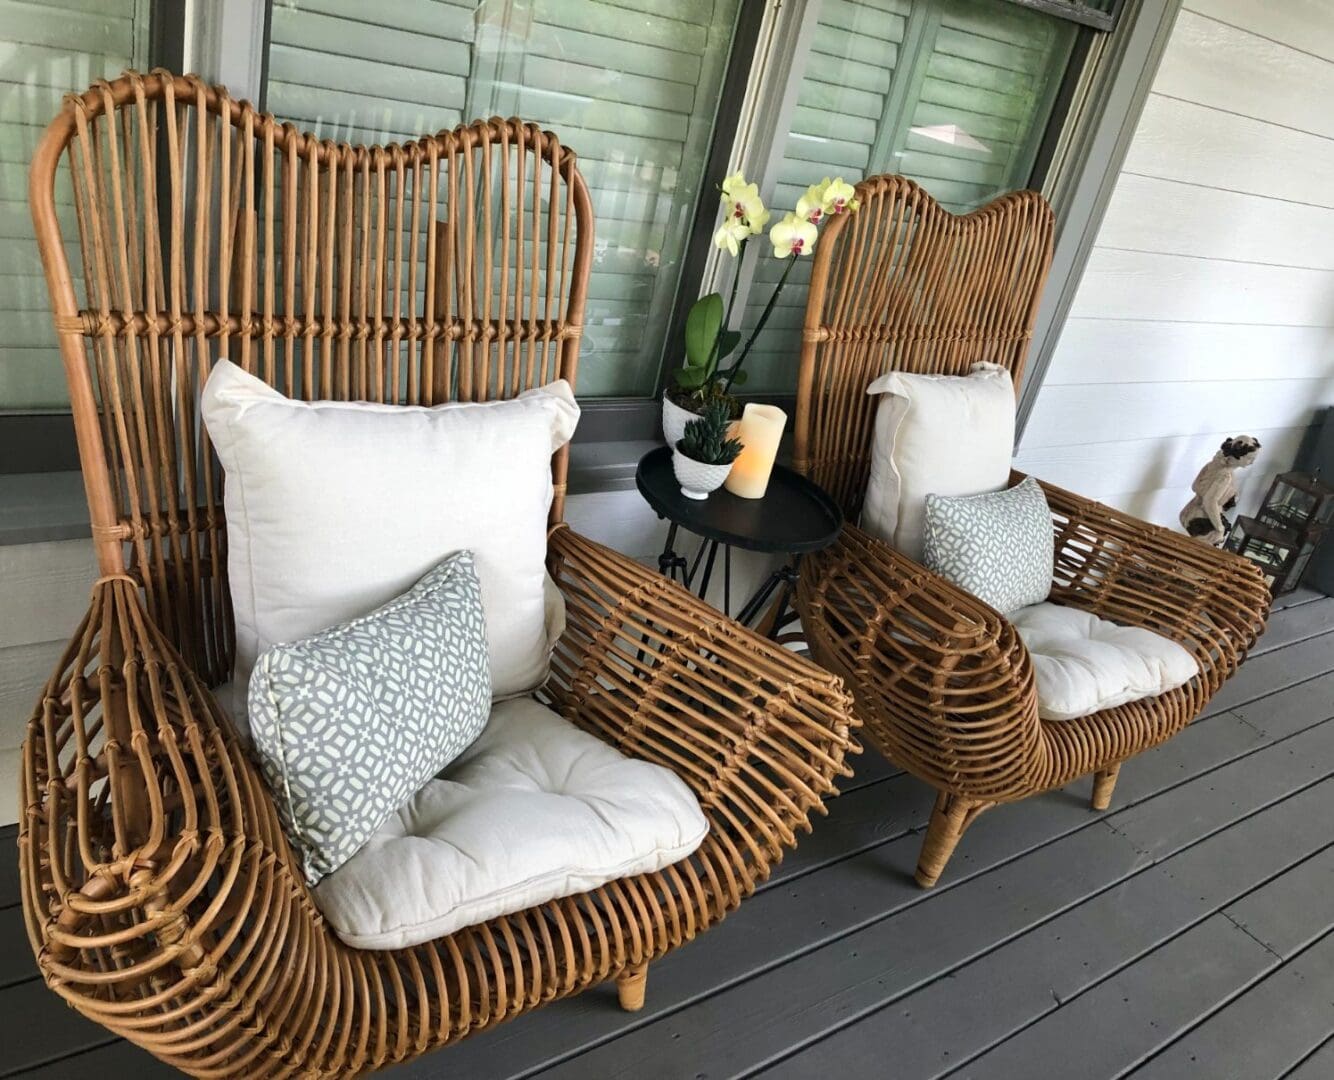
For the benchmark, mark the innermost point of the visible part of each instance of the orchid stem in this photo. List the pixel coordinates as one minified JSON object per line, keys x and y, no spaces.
{"x":764,"y":318}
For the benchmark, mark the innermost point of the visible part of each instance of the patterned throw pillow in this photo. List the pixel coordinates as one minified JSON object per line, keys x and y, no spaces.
{"x":997,"y":546}
{"x":349,"y":724}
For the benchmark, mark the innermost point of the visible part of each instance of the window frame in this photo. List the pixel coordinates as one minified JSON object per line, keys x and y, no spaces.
{"x":228,"y":43}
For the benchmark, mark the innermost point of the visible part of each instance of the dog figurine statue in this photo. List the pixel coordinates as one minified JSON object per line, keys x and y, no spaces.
{"x":1204,"y":517}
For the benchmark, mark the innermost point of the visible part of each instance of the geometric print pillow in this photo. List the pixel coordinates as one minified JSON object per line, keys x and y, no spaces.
{"x":997,"y":546}
{"x":349,"y":724}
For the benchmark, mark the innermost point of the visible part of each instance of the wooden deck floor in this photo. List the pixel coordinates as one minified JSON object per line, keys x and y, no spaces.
{"x":1185,"y":933}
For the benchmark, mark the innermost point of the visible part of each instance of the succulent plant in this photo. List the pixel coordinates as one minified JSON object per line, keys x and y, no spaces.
{"x":705,"y":438}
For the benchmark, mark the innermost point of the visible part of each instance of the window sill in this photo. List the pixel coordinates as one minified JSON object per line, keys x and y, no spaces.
{"x":40,"y":507}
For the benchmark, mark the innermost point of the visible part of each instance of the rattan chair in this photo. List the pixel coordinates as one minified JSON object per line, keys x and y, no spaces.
{"x":942,"y":682}
{"x":161,"y":897}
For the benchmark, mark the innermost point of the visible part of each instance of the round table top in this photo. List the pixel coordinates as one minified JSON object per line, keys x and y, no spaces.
{"x":795,"y":516}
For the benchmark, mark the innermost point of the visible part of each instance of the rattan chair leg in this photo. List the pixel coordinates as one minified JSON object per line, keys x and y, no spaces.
{"x":630,"y":985}
{"x":1104,"y":780}
{"x":951,"y":816}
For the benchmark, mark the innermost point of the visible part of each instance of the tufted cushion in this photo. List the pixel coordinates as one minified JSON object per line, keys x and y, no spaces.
{"x":1084,"y":663}
{"x":534,"y":810}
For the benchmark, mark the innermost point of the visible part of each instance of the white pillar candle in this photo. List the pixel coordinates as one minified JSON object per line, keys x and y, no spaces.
{"x":760,"y":430}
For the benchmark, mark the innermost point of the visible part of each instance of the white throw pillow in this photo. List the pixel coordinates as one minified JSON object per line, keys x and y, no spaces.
{"x":935,"y":435}
{"x":1083,"y":663}
{"x":534,"y":810}
{"x":334,"y":508}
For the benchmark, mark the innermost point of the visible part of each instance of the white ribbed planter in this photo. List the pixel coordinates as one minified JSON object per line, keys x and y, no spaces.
{"x":674,"y":421}
{"x":697,"y":479}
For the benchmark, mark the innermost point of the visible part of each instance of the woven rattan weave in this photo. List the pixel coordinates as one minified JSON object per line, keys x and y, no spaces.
{"x":942,"y":682}
{"x":162,"y":901}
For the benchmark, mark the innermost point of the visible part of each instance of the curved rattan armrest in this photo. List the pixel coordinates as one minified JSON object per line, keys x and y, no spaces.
{"x":149,"y":852}
{"x":940,"y":678}
{"x":1213,"y":602}
{"x":758,"y":732}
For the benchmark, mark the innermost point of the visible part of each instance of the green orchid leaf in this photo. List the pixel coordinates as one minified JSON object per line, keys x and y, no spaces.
{"x":706,"y":316}
{"x":690,"y":378}
{"x":727,"y":342}
{"x":739,"y":378}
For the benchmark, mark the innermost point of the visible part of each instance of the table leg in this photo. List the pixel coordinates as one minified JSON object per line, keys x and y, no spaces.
{"x":784,"y":579}
{"x":708,"y":570}
{"x":727,"y":580}
{"x":772,"y":624}
{"x":669,"y":562}
{"x":761,"y":596}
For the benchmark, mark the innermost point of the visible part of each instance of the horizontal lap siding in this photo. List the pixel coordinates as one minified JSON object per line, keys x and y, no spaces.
{"x":1207,"y":305}
{"x":46,"y":51}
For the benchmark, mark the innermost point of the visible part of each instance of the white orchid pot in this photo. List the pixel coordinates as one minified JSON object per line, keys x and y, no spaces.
{"x":697,"y":479}
{"x":674,"y":421}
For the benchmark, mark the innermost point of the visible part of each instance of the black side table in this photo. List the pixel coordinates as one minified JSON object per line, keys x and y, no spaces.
{"x":795,"y":517}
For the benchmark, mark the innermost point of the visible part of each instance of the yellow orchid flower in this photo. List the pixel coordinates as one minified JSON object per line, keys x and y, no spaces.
{"x":839,"y":196}
{"x":730,"y":234}
{"x":793,"y":236}
{"x":810,"y":207}
{"x":733,"y":183}
{"x":743,"y":207}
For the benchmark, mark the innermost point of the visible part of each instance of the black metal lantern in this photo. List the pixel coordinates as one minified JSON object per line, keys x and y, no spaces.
{"x":1296,"y":501}
{"x":1282,"y":554}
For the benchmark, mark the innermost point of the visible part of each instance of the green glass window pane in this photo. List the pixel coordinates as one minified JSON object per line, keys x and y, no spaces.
{"x":632,"y":86}
{"x":953,"y":93}
{"x":47,"y":52}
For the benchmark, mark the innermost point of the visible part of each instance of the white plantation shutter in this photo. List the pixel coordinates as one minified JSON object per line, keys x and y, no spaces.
{"x":953,"y":93}
{"x":47,"y":49}
{"x":632,"y":85}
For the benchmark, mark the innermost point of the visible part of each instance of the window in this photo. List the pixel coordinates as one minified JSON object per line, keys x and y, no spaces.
{"x":49,"y":47}
{"x":956,"y":94}
{"x":633,"y":86}
{"x":959,"y":94}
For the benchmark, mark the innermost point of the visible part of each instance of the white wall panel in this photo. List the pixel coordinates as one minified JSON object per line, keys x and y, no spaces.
{"x":1142,"y":350}
{"x":1207,"y":306}
{"x":1302,"y":24}
{"x":1142,"y":285}
{"x":1171,"y":217}
{"x":1184,"y":141}
{"x":1219,"y":65}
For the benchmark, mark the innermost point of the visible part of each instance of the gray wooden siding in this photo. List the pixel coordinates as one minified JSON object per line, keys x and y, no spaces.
{"x":1184,"y":933}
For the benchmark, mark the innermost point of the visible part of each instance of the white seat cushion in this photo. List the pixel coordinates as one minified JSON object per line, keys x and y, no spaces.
{"x":1084,"y":663}
{"x":534,"y":810}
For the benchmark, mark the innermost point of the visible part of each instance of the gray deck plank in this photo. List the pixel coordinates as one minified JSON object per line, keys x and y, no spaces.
{"x":115,"y":1061}
{"x":1296,"y":624}
{"x":1318,"y":1066}
{"x":1300,"y":595}
{"x":40,"y":1028}
{"x":1274,"y":671}
{"x":1264,"y":1033}
{"x":1273,"y":915}
{"x":951,"y":1020}
{"x":1124,"y":1019}
{"x":826,"y":986}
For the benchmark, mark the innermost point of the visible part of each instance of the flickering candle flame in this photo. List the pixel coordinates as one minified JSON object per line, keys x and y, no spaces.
{"x":760,"y":430}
